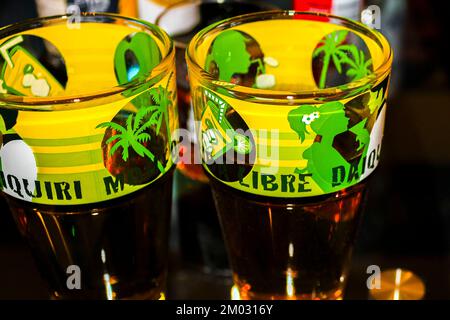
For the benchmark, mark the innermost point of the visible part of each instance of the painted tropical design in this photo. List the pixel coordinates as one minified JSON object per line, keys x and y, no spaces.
{"x":347,"y":58}
{"x":221,"y":140}
{"x":236,"y":57}
{"x":114,"y":147}
{"x":326,"y":121}
{"x":135,"y":57}
{"x":135,"y":143}
{"x":25,"y":71}
{"x":341,"y":133}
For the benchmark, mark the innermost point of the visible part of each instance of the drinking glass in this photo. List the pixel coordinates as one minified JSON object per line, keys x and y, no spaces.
{"x":290,"y":109}
{"x":87,"y":106}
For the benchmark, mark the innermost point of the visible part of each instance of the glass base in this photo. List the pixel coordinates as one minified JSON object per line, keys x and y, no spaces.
{"x":244,"y":294}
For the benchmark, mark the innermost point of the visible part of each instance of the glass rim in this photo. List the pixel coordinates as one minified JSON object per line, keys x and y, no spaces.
{"x":12,"y":101}
{"x":179,"y":44}
{"x":265,"y":96}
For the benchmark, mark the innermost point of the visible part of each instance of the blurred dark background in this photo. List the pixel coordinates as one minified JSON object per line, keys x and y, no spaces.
{"x":407,"y":219}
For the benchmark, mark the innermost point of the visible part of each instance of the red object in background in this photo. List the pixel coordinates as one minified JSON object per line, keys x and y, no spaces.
{"x":323,"y":6}
{"x":344,"y":8}
{"x":313,"y":5}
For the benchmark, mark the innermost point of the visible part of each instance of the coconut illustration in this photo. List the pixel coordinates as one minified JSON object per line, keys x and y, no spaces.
{"x":17,"y":161}
{"x":18,"y":164}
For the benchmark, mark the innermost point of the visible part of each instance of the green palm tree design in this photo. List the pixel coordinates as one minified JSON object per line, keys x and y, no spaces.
{"x":335,"y":51}
{"x":133,"y":134}
{"x":359,"y":66}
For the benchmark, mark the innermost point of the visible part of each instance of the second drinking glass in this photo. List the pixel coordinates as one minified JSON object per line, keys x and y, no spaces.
{"x":290,"y":109}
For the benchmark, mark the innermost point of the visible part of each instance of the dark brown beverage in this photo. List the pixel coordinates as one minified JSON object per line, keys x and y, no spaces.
{"x":120,"y":246}
{"x":289,"y":248}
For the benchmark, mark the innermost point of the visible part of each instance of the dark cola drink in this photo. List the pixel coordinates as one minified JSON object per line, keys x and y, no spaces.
{"x":290,"y":249}
{"x":118,"y":247}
